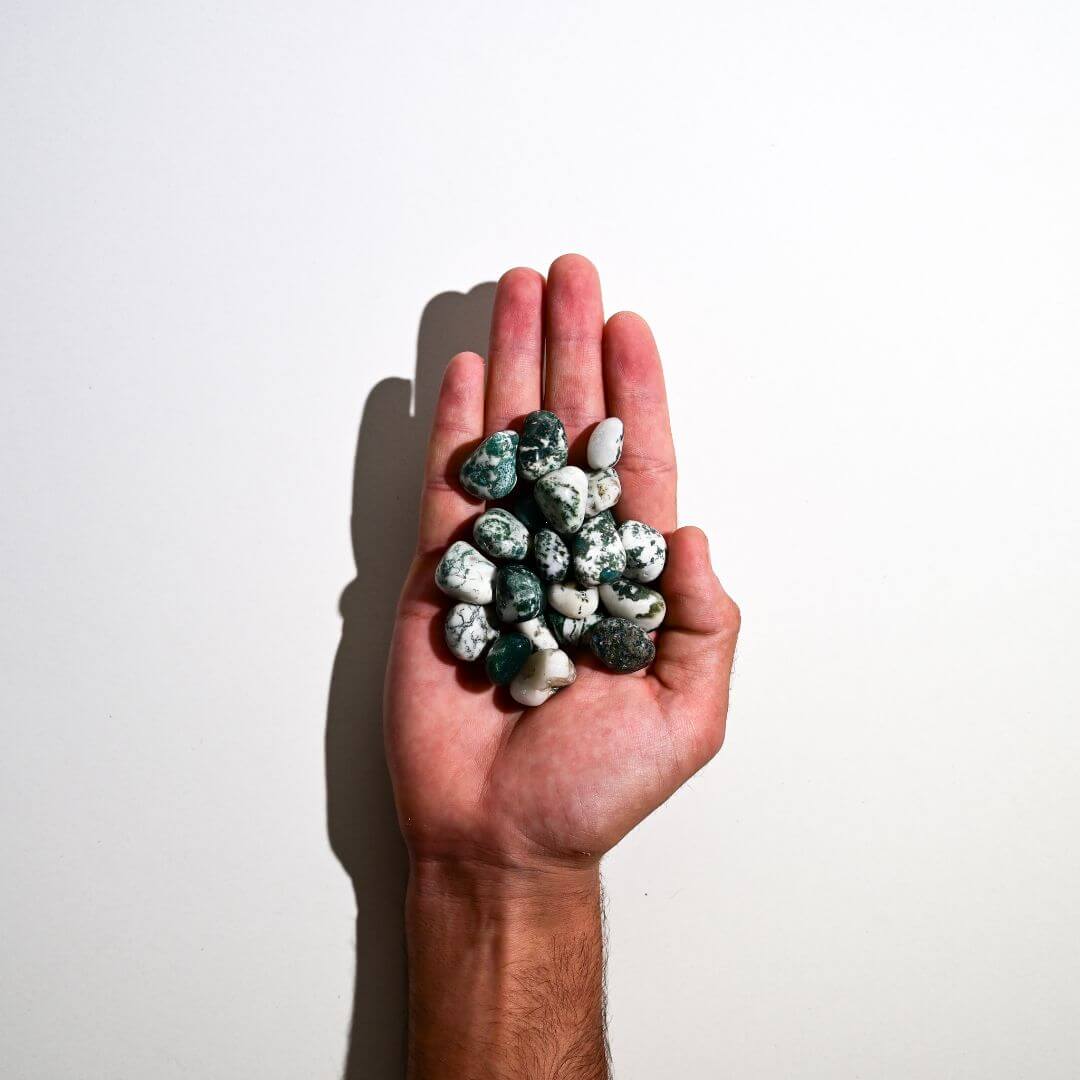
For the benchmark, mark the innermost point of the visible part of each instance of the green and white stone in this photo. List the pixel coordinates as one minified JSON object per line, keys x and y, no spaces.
{"x":499,"y":535}
{"x":551,"y":555}
{"x":628,"y":600}
{"x":542,"y":448}
{"x":573,"y":601}
{"x":468,"y":631}
{"x":605,"y":490}
{"x":621,"y":645}
{"x":507,"y":657}
{"x":519,"y":596}
{"x":490,"y":471}
{"x":598,"y":555}
{"x":465,"y":574}
{"x":646,"y":551}
{"x":561,"y":495}
{"x":543,"y":674}
{"x":538,"y":632}
{"x":569,"y":631}
{"x":605,"y":444}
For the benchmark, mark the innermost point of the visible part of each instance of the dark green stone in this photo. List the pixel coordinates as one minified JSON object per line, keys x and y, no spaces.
{"x":529,"y":514}
{"x":489,"y":471}
{"x":518,"y":594}
{"x":542,"y":447}
{"x":506,"y":657}
{"x":621,"y":645}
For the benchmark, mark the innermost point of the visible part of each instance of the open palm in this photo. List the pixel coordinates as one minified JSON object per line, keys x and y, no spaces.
{"x":475,"y":776}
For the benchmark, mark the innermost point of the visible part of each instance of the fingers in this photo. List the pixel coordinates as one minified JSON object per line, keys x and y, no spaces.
{"x":573,"y":380}
{"x":634,"y":388}
{"x":458,"y":423}
{"x":516,"y":351}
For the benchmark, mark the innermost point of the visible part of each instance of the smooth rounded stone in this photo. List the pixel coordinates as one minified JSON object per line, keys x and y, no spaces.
{"x":538,"y":632}
{"x":646,"y":550}
{"x":468,"y":631}
{"x":490,"y":471}
{"x":543,"y":674}
{"x":507,"y":657}
{"x":638,"y":603}
{"x":499,"y":535}
{"x":465,"y":574}
{"x":542,"y":447}
{"x":561,"y":495}
{"x":621,"y":645}
{"x":571,"y":600}
{"x":605,"y":490}
{"x":605,"y":444}
{"x":569,"y":631}
{"x":551,"y":555}
{"x":529,"y":514}
{"x":518,"y":594}
{"x":598,"y":555}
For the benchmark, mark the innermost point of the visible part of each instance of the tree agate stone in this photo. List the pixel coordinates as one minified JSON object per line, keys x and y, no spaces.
{"x":569,"y":631}
{"x":519,"y":596}
{"x":621,"y":645}
{"x":468,"y":631}
{"x":646,"y":551}
{"x":638,"y":603}
{"x":551,"y":555}
{"x":499,"y":535}
{"x":490,"y":471}
{"x":605,"y":444}
{"x":605,"y":489}
{"x":598,"y":555}
{"x":561,"y":495}
{"x":506,"y":657}
{"x":465,"y":574}
{"x":542,"y":448}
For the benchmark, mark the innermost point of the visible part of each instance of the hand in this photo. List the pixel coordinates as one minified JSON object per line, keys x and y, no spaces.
{"x":478,"y":781}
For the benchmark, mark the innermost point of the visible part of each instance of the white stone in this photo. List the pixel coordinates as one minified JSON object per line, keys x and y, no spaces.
{"x":573,"y":601}
{"x":468,"y":631}
{"x":638,"y":603}
{"x":605,"y":444}
{"x":544,"y":673}
{"x":538,"y":632}
{"x":646,"y":551}
{"x":464,"y":574}
{"x":561,"y":496}
{"x":605,"y":490}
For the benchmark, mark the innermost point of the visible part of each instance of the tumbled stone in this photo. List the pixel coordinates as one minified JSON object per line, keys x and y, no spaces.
{"x":638,"y":603}
{"x":551,"y":555}
{"x":605,"y":489}
{"x":538,"y":632}
{"x":490,"y":471}
{"x":605,"y":444}
{"x":529,"y":514}
{"x":569,"y":631}
{"x":468,"y":631}
{"x":543,"y":674}
{"x":573,"y":601}
{"x":506,"y":657}
{"x":499,"y":535}
{"x":542,"y":447}
{"x":646,"y":550}
{"x":465,"y":574}
{"x":518,"y":594}
{"x":621,"y":645}
{"x":598,"y":555}
{"x":561,"y":495}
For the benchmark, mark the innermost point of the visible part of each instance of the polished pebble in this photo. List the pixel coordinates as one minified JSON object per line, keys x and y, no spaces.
{"x":490,"y":471}
{"x":551,"y":556}
{"x":468,"y":631}
{"x":569,"y":631}
{"x":638,"y":603}
{"x":561,"y":495}
{"x":573,"y":602}
{"x":621,"y":645}
{"x":538,"y":632}
{"x":543,"y":674}
{"x":465,"y":574}
{"x":518,"y":594}
{"x":605,"y":490}
{"x":646,"y":551}
{"x":499,"y":535}
{"x":542,"y":447}
{"x":598,"y":556}
{"x":507,"y":657}
{"x":605,"y":444}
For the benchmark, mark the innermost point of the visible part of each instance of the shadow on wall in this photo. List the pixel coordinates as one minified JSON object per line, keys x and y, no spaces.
{"x":361,"y":821}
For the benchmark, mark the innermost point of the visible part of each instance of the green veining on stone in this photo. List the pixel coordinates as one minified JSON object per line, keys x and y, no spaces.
{"x":598,"y":554}
{"x":499,"y":535}
{"x":542,"y":448}
{"x":562,"y":495}
{"x":490,"y":471}
{"x":551,"y":556}
{"x":646,"y":550}
{"x":518,"y":594}
{"x":506,"y":657}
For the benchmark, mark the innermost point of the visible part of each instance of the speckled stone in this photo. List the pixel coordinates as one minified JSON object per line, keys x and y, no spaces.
{"x":605,"y":444}
{"x":468,"y":631}
{"x":605,"y":490}
{"x":490,"y":471}
{"x":598,"y":555}
{"x":538,"y":632}
{"x":621,"y":645}
{"x":573,"y":601}
{"x":506,"y":657}
{"x":569,"y":631}
{"x":529,"y":514}
{"x":519,"y":596}
{"x":499,"y":535}
{"x":638,"y":603}
{"x":465,"y":574}
{"x":551,"y":555}
{"x":542,"y":448}
{"x":561,"y":495}
{"x":543,"y":674}
{"x":646,"y":551}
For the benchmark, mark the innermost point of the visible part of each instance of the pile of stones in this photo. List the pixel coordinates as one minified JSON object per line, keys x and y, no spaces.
{"x":553,"y":570}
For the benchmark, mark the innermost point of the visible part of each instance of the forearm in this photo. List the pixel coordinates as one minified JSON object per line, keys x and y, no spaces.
{"x":505,"y":974}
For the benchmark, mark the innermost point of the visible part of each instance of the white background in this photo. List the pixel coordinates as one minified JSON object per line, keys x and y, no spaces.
{"x":854,"y":227}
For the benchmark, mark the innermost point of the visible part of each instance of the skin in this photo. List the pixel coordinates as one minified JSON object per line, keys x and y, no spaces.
{"x":506,"y":813}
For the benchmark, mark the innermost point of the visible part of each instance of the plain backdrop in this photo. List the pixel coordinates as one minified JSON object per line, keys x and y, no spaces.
{"x":225,"y":228}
